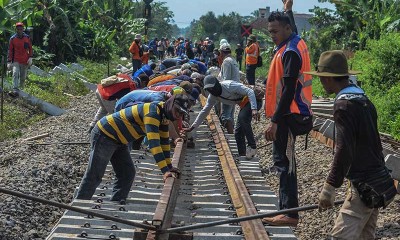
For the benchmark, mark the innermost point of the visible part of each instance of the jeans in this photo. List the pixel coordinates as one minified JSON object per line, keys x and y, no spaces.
{"x":228,"y":112}
{"x":243,"y":129}
{"x":19,"y":75}
{"x":136,"y":64}
{"x":251,"y":73}
{"x":288,"y":191}
{"x":103,"y":150}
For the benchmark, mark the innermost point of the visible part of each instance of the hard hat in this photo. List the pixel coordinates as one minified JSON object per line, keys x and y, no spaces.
{"x":225,"y":47}
{"x":19,"y":24}
{"x":138,"y":37}
{"x":223,"y":41}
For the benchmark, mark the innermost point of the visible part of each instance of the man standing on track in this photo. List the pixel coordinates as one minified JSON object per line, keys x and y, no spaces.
{"x":19,"y":57}
{"x":137,"y":52}
{"x":287,"y":101}
{"x":358,"y":155}
{"x":110,"y":136}
{"x":229,"y":71}
{"x":252,"y":53}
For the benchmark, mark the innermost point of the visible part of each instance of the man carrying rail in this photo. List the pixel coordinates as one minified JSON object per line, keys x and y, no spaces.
{"x":112,"y":133}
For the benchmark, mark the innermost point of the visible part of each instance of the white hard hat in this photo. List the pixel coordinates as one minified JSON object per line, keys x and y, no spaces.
{"x":207,"y":38}
{"x":223,"y":41}
{"x":225,"y":47}
{"x":138,"y":37}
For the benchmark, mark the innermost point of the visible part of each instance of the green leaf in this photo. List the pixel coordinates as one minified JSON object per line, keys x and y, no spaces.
{"x":384,"y":21}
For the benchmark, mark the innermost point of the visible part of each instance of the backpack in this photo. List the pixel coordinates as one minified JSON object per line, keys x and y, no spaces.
{"x":115,"y":87}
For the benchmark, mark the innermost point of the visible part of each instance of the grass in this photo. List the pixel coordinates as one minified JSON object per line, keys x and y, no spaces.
{"x":56,"y":90}
{"x":15,"y":119}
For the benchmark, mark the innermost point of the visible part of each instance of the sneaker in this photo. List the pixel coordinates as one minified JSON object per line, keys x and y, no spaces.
{"x":250,"y":152}
{"x":281,"y":220}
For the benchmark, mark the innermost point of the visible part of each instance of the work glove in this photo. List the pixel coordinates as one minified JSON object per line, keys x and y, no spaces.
{"x":9,"y":66}
{"x":29,"y":62}
{"x":326,"y":197}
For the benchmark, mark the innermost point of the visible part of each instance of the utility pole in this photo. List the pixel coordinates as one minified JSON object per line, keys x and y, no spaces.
{"x":147,"y":15}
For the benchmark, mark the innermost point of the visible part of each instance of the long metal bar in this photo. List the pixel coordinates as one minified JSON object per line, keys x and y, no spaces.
{"x":75,"y":209}
{"x":241,"y":219}
{"x":60,"y":143}
{"x":162,"y":218}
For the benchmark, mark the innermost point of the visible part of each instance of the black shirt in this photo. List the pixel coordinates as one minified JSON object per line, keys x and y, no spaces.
{"x":358,"y":145}
{"x":239,"y":53}
{"x":291,"y":65}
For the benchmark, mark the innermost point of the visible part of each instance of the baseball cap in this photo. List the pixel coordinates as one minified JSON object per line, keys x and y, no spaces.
{"x":194,"y":95}
{"x":187,"y":86}
{"x":210,"y":81}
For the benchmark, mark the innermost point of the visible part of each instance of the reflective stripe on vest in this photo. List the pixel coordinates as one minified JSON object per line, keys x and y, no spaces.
{"x":251,"y":58}
{"x":301,"y":103}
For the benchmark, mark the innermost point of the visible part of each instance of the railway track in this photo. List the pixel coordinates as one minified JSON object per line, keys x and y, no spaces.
{"x":323,"y":112}
{"x":214,"y":185}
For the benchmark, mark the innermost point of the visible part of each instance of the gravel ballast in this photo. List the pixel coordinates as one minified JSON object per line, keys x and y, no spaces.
{"x":54,"y":171}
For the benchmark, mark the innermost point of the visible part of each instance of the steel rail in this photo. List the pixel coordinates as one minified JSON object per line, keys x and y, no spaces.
{"x":162,"y":218}
{"x":244,"y":206}
{"x":75,"y":209}
{"x":245,"y":218}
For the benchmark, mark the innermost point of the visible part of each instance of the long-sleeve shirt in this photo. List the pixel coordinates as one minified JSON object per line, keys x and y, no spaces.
{"x":146,"y":69}
{"x":232,"y":93}
{"x":144,"y":96}
{"x":145,"y":119}
{"x":358,"y":145}
{"x":20,"y":49}
{"x":135,"y":50}
{"x":230,"y":70}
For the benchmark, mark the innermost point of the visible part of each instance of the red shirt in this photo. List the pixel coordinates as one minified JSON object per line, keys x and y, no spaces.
{"x":20,"y":49}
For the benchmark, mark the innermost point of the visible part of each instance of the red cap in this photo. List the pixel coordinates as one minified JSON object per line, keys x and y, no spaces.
{"x":19,"y":24}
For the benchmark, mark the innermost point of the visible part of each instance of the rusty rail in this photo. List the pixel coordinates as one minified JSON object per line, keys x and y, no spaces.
{"x":162,"y":218}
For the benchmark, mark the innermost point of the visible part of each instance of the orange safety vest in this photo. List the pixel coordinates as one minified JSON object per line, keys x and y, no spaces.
{"x":301,"y":103}
{"x":134,"y":49}
{"x":252,"y":53}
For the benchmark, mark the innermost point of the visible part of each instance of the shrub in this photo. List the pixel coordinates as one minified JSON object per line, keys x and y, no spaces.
{"x":380,"y":63}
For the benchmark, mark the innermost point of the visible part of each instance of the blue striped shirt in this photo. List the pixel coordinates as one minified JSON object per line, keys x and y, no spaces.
{"x":144,"y":119}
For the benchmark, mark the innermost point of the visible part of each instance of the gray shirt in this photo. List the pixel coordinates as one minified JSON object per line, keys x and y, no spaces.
{"x":230,"y":70}
{"x":232,"y":93}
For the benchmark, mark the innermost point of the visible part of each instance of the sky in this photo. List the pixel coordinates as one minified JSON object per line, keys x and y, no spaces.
{"x":187,"y":10}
